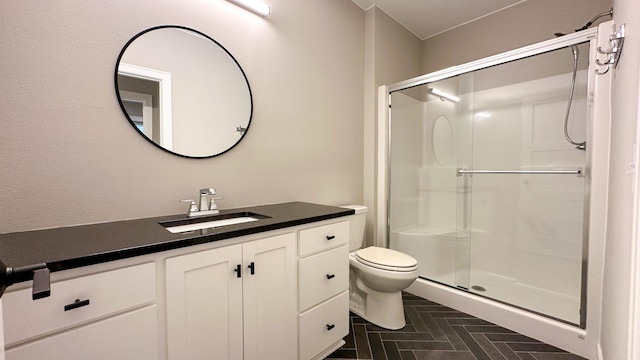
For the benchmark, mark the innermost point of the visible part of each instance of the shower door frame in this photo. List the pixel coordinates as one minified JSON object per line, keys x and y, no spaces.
{"x":554,"y":332}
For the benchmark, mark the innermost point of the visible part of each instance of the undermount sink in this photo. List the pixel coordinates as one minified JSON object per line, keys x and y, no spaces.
{"x":211,"y":222}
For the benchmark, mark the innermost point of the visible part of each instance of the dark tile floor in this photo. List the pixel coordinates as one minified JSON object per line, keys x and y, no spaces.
{"x":437,"y":332}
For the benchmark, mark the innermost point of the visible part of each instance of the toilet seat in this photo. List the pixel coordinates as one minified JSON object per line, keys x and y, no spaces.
{"x":386,"y":259}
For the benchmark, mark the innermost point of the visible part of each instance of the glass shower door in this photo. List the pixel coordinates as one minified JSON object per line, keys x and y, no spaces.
{"x":429,"y":213}
{"x":485,"y":190}
{"x":528,"y":184}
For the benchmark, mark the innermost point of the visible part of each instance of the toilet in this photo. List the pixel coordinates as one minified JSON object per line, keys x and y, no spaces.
{"x":377,"y":277}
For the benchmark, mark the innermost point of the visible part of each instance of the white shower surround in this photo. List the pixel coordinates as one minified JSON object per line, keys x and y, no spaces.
{"x":583,"y":342}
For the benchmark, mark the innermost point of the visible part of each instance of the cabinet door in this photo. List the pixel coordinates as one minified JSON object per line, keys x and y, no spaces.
{"x":204,"y":305}
{"x":270,"y":315}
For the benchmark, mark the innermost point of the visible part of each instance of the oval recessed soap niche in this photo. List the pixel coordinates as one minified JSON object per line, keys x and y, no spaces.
{"x":442,"y":140}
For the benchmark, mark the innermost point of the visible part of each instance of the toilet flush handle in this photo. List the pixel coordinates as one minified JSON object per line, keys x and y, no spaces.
{"x":330,"y":276}
{"x":331,"y":237}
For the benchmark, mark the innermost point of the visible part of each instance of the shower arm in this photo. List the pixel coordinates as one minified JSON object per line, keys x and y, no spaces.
{"x":590,"y":22}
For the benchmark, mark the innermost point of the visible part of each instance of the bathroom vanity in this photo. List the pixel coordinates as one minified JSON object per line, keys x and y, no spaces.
{"x":275,"y":288}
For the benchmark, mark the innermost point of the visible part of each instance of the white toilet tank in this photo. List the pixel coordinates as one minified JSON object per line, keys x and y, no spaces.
{"x":356,"y":226}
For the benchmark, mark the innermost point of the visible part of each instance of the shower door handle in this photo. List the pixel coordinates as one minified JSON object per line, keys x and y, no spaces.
{"x":578,"y":171}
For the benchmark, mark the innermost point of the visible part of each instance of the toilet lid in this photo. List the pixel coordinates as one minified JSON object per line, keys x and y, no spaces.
{"x":386,"y":259}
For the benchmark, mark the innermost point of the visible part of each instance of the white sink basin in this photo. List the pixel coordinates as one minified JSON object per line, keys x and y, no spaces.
{"x":216,"y":222}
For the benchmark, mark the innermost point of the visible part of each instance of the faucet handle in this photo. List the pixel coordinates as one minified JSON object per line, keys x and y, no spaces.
{"x":213,"y":205}
{"x":192,"y":206}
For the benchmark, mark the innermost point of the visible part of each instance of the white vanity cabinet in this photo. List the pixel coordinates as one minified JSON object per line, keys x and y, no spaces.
{"x":323,"y":280}
{"x":276,"y":295}
{"x":107,"y":315}
{"x":233,"y":302}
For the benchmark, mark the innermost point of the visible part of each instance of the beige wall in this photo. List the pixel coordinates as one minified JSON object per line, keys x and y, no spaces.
{"x":68,"y":156}
{"x":392,"y":54}
{"x":524,"y":24}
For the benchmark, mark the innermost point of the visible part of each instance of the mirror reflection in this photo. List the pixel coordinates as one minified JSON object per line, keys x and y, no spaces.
{"x":183,"y":91}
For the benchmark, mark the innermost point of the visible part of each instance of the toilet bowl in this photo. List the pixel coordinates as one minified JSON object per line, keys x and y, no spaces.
{"x":377,"y":277}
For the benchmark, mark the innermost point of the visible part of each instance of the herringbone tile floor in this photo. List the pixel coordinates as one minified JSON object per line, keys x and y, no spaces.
{"x":437,"y":332}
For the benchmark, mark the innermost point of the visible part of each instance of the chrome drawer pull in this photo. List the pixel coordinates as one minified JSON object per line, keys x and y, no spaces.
{"x":330,"y":276}
{"x":330,"y":326}
{"x":331,"y":237}
{"x":76,"y":304}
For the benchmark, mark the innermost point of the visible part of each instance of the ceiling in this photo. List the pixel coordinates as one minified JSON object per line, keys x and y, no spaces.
{"x":426,"y":18}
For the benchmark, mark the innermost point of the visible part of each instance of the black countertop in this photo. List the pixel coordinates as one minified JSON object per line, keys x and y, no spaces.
{"x":70,"y":247}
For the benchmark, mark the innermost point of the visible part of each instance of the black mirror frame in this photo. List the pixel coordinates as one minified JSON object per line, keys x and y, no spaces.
{"x":122,"y":107}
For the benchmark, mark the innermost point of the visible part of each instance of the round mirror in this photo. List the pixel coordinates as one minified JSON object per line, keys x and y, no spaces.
{"x":183,"y":91}
{"x":442,"y":139}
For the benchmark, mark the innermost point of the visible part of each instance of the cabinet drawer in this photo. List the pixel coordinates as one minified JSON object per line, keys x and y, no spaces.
{"x":323,"y":325}
{"x":132,"y":335}
{"x":107,"y":293}
{"x":322,"y":276}
{"x":322,"y":238}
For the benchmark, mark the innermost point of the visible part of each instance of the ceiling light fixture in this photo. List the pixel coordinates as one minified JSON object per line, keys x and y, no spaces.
{"x":254,"y":6}
{"x":443,"y":95}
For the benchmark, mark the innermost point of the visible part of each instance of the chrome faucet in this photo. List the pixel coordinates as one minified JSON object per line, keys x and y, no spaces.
{"x":204,"y":198}
{"x":207,"y":207}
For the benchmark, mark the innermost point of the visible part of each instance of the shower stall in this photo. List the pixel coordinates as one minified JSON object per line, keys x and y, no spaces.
{"x":489,"y":183}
